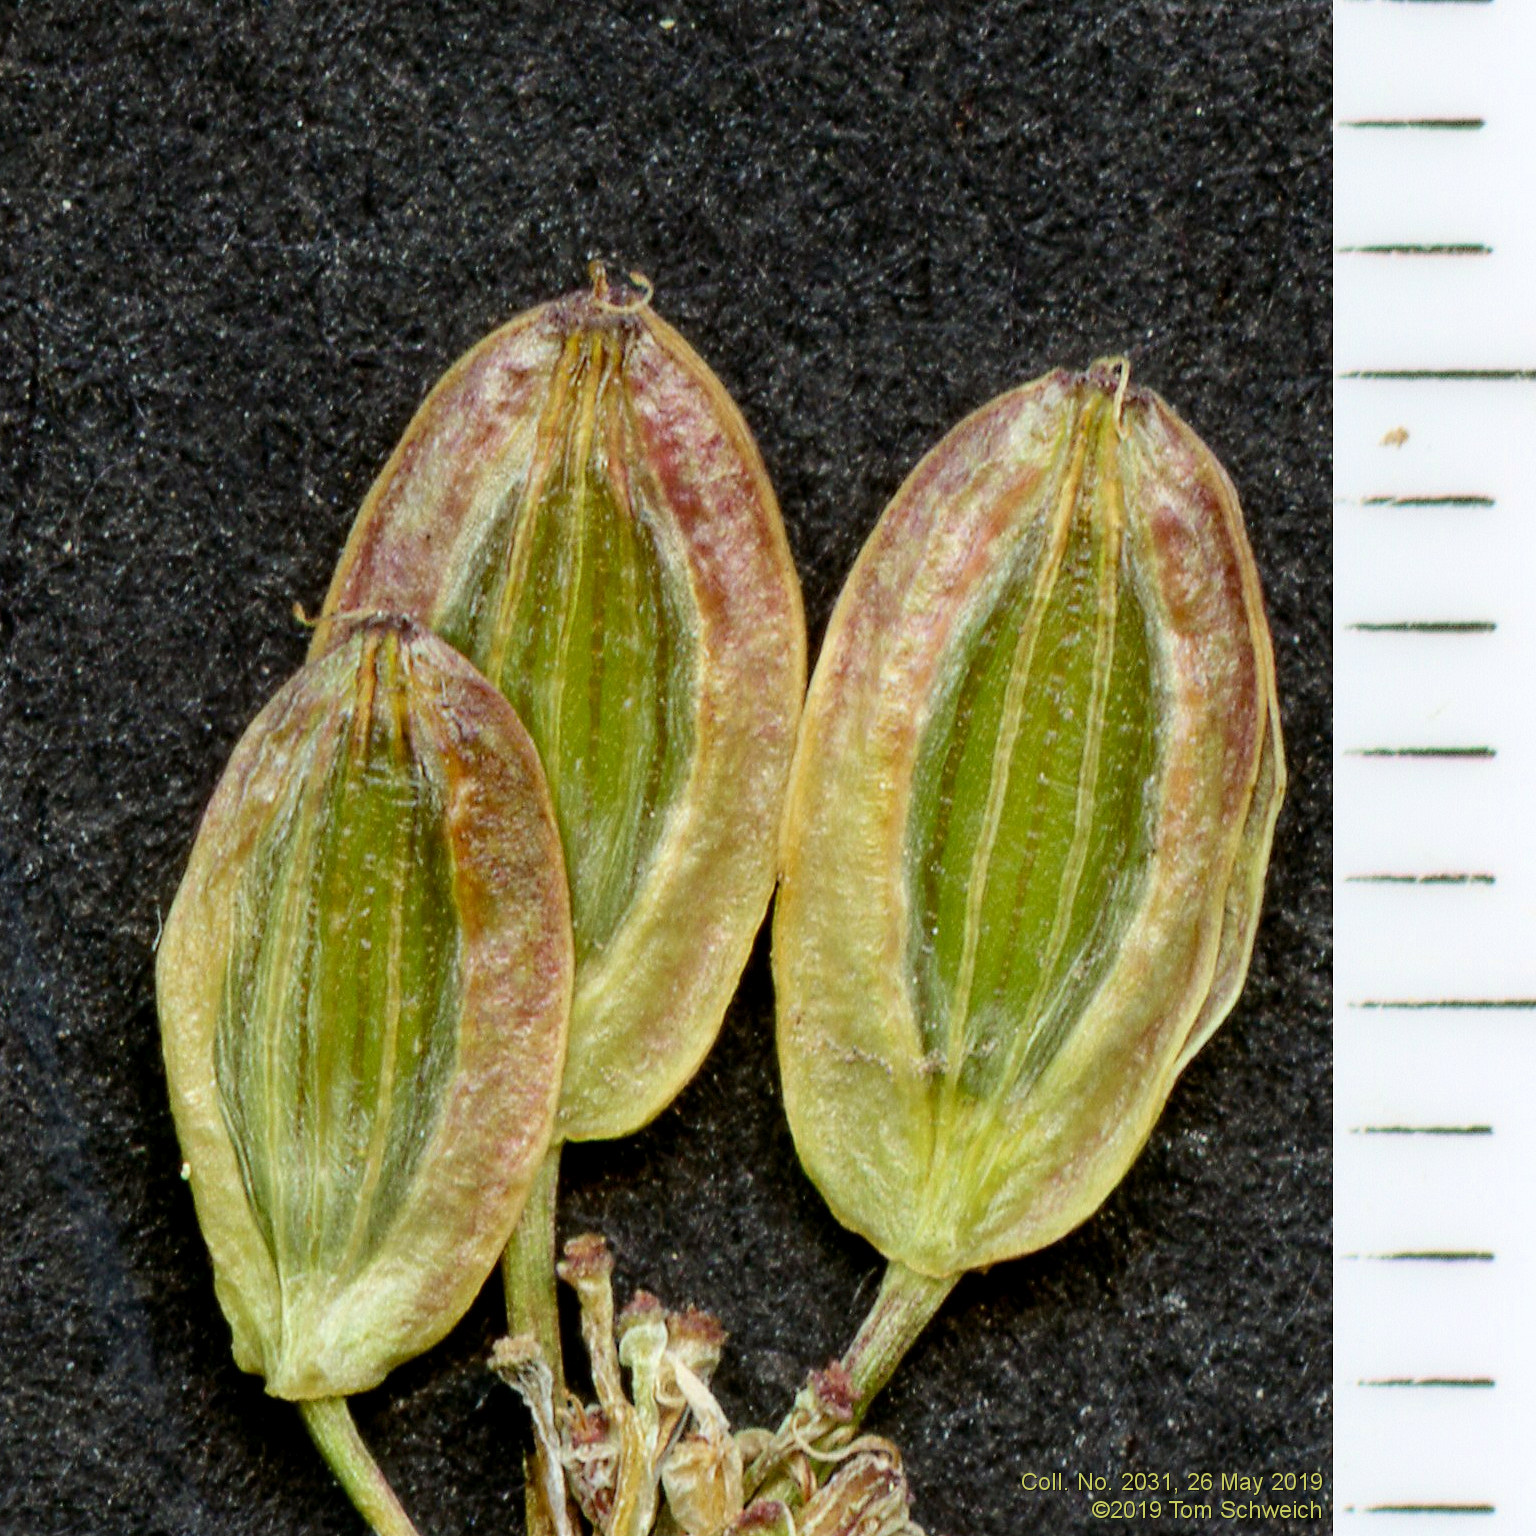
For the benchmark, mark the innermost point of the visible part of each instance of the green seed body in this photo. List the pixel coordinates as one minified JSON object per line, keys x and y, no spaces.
{"x":579,"y":508}
{"x":1027,"y":826}
{"x":364,"y":986}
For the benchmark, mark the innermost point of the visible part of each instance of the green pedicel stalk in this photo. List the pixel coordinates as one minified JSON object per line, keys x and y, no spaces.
{"x":527,"y":1277}
{"x":529,"y":1258}
{"x":330,"y":1426}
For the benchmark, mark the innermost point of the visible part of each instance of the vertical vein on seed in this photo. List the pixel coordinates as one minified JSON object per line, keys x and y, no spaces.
{"x":1002,"y":757}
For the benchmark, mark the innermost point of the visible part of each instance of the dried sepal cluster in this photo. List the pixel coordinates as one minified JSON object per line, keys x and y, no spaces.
{"x":865,"y":1494}
{"x":579,"y":508}
{"x":1027,"y":825}
{"x":364,"y":988}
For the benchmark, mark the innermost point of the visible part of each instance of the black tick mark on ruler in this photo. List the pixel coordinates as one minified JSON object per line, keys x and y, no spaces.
{"x":1440,"y":124}
{"x":1473,"y":1382}
{"x":1430,"y":1256}
{"x":1415,"y":250}
{"x":1449,"y":878}
{"x":1452,"y":1004}
{"x":1446,"y":375}
{"x":1421,"y":1130}
{"x":1421,"y":1509}
{"x":1466,"y":752}
{"x":1427,"y":501}
{"x":1428,"y":627}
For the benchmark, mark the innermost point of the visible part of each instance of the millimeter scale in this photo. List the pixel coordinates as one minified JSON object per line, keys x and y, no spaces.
{"x":1435,"y":766}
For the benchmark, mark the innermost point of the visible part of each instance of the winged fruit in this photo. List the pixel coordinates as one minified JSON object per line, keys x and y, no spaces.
{"x":1026,"y":833}
{"x":364,"y":988}
{"x":579,"y":507}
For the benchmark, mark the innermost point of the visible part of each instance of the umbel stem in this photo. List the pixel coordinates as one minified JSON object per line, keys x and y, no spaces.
{"x":528,"y":1278}
{"x":905,"y":1306}
{"x":330,"y":1426}
{"x":528,"y":1269}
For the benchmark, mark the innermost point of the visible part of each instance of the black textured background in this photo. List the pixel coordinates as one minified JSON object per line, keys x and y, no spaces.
{"x":237,"y":245}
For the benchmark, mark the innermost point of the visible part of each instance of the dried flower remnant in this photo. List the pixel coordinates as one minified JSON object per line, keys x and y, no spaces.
{"x":866,"y":1495}
{"x":1026,"y":836}
{"x":661,"y":1457}
{"x":364,"y":988}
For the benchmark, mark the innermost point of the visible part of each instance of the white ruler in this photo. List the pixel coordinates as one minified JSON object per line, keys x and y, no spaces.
{"x":1435,"y":766}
